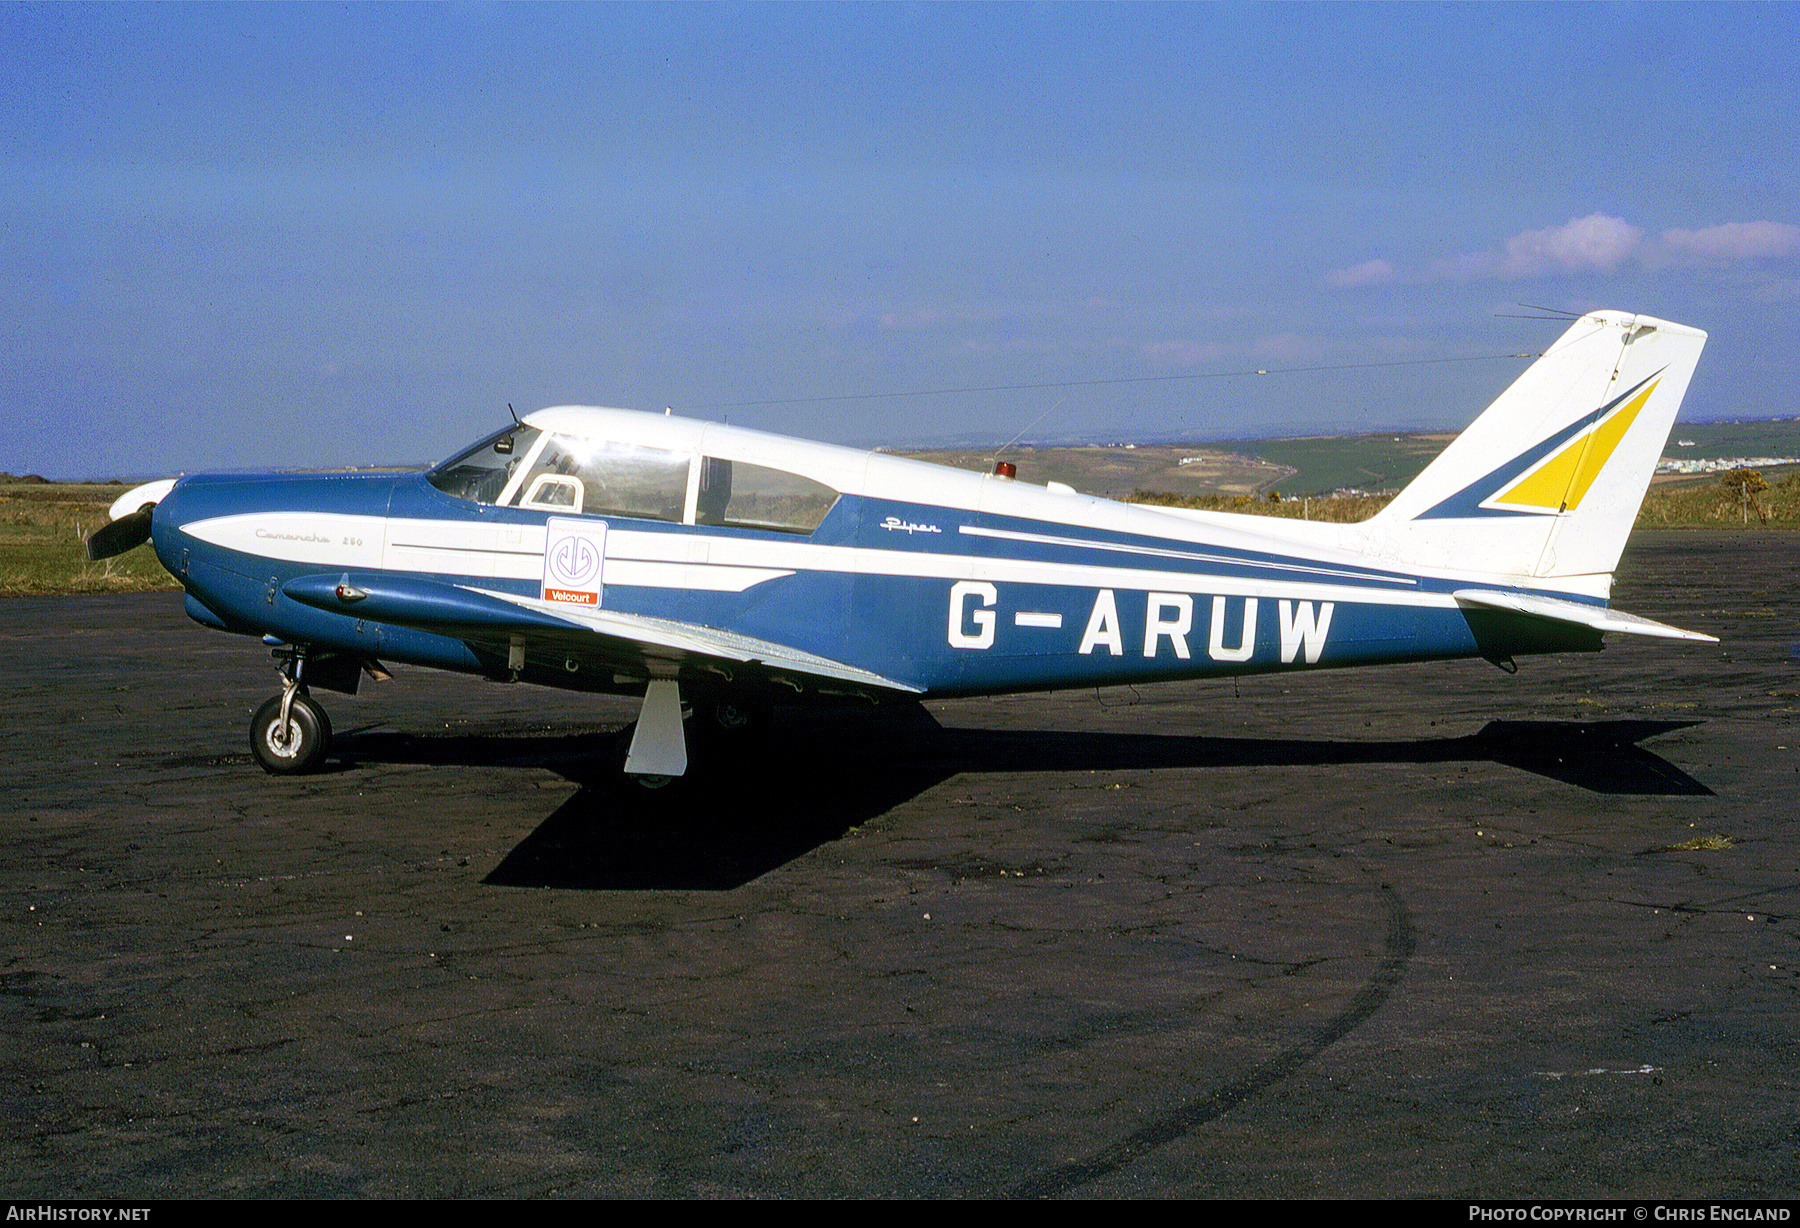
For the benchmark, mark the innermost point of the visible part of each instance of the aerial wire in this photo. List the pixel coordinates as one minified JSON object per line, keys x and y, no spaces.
{"x":1554,"y":313}
{"x":1094,"y":383}
{"x":1015,"y":439}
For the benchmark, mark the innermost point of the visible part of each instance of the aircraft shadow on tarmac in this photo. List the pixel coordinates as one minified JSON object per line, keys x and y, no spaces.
{"x":748,"y":809}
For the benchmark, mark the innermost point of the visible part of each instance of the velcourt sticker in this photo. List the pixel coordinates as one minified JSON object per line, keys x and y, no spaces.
{"x":574,"y":560}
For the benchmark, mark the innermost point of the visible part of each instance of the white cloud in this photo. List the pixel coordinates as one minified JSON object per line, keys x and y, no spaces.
{"x":1291,"y":347}
{"x":1272,"y":349}
{"x":1597,"y":243}
{"x":1183,"y":353}
{"x":1592,"y":243}
{"x":1368,"y":273}
{"x":1730,"y":243}
{"x":940,"y":317}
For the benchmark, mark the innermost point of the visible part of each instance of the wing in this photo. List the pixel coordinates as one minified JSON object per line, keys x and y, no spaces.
{"x":636,"y":648}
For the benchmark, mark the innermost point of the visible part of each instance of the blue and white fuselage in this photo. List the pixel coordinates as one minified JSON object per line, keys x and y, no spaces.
{"x":607,"y":550}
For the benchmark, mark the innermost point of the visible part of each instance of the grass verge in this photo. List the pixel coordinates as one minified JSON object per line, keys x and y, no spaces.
{"x":43,"y":535}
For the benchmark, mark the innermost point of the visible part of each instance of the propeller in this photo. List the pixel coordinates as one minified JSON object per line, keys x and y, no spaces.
{"x":125,"y":533}
{"x":129,"y":528}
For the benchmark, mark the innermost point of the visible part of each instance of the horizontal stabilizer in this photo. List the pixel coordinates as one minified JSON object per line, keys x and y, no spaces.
{"x":1597,"y":617}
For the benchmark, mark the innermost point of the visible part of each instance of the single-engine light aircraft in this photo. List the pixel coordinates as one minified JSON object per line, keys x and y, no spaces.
{"x":702,"y":565}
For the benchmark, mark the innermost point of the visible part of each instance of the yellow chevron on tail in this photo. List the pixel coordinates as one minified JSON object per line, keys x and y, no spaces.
{"x":1560,"y":480}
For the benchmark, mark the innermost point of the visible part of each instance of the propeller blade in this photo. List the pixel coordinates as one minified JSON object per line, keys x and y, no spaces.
{"x":125,"y":533}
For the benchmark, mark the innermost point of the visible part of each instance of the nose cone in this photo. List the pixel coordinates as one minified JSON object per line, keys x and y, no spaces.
{"x":165,"y":524}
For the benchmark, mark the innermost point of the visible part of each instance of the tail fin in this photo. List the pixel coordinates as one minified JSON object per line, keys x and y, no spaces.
{"x":1546,"y":483}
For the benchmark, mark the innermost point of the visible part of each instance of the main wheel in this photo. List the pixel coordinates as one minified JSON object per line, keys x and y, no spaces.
{"x":735,"y":718}
{"x":300,"y":747}
{"x":641,"y":787}
{"x":732,"y":728}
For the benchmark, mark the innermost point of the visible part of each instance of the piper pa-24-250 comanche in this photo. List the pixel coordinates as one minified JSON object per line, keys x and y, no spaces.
{"x":699,"y":564}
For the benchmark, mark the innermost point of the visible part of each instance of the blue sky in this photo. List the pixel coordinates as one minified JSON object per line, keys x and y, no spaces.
{"x":271,"y":235}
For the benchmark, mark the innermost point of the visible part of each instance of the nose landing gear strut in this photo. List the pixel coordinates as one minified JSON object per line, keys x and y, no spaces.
{"x":290,"y":733}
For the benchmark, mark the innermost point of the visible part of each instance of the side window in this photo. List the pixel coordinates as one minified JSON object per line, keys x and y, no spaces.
{"x":604,"y":478}
{"x":737,"y":495}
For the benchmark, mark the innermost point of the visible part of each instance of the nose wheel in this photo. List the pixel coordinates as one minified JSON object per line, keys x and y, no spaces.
{"x":290,"y":734}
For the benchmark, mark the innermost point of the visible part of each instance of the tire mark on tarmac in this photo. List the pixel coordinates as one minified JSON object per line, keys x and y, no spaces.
{"x":1401,"y":942}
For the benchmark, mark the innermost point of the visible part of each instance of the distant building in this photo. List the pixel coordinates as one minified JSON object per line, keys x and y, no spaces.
{"x":1723,"y":464}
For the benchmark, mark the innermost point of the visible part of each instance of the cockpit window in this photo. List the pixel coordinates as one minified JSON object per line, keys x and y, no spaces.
{"x":481,"y":474}
{"x":601,"y":477}
{"x":522,"y":466}
{"x":738,"y":495}
{"x":528,"y":468}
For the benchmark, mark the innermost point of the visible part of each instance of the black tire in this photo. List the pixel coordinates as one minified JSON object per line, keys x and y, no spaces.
{"x":645,"y":789}
{"x":730,"y":728}
{"x":734,"y":718}
{"x":302,"y":749}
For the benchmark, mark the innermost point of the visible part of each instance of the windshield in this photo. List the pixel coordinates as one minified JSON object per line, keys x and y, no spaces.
{"x":481,"y":473}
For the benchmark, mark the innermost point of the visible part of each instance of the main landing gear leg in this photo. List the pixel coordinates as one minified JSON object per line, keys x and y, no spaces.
{"x":659,"y":744}
{"x":290,"y":733}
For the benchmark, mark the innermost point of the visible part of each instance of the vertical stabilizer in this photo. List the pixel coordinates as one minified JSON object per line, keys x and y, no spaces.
{"x":1546,"y":483}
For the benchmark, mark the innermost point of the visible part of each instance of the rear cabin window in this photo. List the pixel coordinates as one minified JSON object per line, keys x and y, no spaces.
{"x":738,"y":495}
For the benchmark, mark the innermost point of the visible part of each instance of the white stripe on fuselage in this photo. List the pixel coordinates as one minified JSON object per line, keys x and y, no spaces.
{"x":684,"y":558}
{"x":329,"y":539}
{"x":1044,"y":539}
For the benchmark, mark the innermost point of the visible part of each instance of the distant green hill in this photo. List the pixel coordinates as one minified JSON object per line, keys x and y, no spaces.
{"x":1358,"y":462}
{"x":1388,"y":462}
{"x":1711,"y":440}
